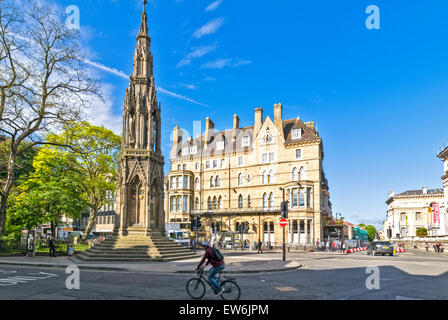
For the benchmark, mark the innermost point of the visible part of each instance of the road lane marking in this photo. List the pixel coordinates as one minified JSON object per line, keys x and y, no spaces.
{"x":14,"y":280}
{"x":286,"y":289}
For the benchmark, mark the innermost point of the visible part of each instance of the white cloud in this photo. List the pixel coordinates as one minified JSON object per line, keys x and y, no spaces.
{"x":178,"y":96}
{"x":101,"y":112}
{"x":209,"y":28}
{"x":197,"y":52}
{"x":214,"y":5}
{"x":222,"y":63}
{"x":160,"y":89}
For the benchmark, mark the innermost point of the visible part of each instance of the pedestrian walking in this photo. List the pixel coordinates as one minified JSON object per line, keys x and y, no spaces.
{"x":317,"y":245}
{"x":322,"y":246}
{"x":344,"y":247}
{"x":427,"y":247}
{"x":440,"y":247}
{"x":260,"y":248}
{"x":328,"y":246}
{"x":51,"y":245}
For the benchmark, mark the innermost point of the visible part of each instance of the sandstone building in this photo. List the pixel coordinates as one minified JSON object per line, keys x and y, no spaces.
{"x":233,"y":177}
{"x":413,"y":209}
{"x":443,"y":154}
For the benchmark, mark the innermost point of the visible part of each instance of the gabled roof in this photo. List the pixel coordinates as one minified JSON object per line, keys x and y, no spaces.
{"x":307,"y":132}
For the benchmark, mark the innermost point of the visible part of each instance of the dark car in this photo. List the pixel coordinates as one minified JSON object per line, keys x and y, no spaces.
{"x":380,"y":247}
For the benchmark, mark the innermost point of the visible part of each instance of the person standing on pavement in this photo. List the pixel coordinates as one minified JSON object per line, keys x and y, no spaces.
{"x":260,"y":249}
{"x":51,"y":245}
{"x":440,"y":247}
{"x":427,"y":247}
{"x":322,"y":246}
{"x":328,"y":246}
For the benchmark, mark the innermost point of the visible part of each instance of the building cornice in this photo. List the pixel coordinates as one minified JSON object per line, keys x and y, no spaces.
{"x":420,"y":196}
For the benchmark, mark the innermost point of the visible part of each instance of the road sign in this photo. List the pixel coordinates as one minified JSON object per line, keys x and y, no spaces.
{"x":283,"y":222}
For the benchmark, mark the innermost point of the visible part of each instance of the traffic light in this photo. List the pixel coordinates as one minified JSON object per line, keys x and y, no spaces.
{"x":284,"y":208}
{"x":246,"y":226}
{"x":198,"y":222}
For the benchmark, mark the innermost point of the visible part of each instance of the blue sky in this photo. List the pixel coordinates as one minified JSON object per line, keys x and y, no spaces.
{"x":378,"y":97}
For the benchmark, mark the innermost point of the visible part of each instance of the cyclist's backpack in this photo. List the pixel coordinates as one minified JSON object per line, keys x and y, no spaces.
{"x":218,"y":255}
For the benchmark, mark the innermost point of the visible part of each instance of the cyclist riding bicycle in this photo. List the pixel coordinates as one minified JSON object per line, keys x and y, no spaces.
{"x":218,"y":265}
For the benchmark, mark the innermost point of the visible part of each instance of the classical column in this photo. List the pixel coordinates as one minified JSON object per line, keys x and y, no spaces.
{"x":305,"y":200}
{"x":306,"y":231}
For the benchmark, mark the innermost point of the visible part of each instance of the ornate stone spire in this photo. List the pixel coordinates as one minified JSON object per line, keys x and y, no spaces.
{"x":142,"y":55}
{"x":141,"y":110}
{"x":143,"y":31}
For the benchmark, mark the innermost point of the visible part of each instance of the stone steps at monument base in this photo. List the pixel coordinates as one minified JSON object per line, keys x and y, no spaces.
{"x":137,"y":248}
{"x":137,"y":251}
{"x":139,"y":258}
{"x":136,"y":255}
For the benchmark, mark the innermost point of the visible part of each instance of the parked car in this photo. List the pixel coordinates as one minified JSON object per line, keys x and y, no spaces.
{"x":380,"y":247}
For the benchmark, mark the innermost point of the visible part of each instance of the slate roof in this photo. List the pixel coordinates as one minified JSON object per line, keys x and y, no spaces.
{"x":308,"y":134}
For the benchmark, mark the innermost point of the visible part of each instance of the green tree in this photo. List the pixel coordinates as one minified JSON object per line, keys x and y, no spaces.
{"x":43,"y":80}
{"x":52,"y":191}
{"x":422,"y":232}
{"x":371,"y":231}
{"x":96,"y":150}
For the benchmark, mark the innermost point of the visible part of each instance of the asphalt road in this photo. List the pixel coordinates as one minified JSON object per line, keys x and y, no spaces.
{"x":336,"y":277}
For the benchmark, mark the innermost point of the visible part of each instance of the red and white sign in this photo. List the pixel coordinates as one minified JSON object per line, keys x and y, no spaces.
{"x":283,"y":222}
{"x":435,"y":207}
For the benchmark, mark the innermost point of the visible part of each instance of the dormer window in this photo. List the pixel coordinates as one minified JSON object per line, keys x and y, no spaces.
{"x":185,"y":151}
{"x":194,"y":149}
{"x":296,"y":133}
{"x":246,"y":141}
{"x":220,"y":145}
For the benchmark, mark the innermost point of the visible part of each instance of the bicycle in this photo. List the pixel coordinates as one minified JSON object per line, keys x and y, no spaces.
{"x":196,"y":287}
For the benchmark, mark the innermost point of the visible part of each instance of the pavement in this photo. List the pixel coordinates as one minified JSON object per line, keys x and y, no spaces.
{"x":236,"y":262}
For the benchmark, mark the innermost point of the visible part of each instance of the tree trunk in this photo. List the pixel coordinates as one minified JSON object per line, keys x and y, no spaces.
{"x":4,"y":194}
{"x":91,"y":224}
{"x":2,"y":214}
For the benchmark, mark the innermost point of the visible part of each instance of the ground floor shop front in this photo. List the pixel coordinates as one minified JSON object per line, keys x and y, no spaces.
{"x":249,"y":229}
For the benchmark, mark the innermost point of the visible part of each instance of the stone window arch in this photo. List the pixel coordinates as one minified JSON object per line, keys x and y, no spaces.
{"x":217,"y":181}
{"x":295,"y":174}
{"x":240,"y":201}
{"x":302,"y":173}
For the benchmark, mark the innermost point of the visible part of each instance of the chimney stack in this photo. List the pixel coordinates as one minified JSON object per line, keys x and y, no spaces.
{"x":277,"y":113}
{"x":177,"y":139}
{"x":209,"y":126}
{"x":236,"y":122}
{"x":258,"y":120}
{"x":278,"y":123}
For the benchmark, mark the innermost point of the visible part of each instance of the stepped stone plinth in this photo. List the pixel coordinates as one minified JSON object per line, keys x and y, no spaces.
{"x":135,"y":248}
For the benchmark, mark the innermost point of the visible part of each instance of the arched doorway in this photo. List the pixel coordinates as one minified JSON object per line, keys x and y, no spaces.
{"x":136,"y":202}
